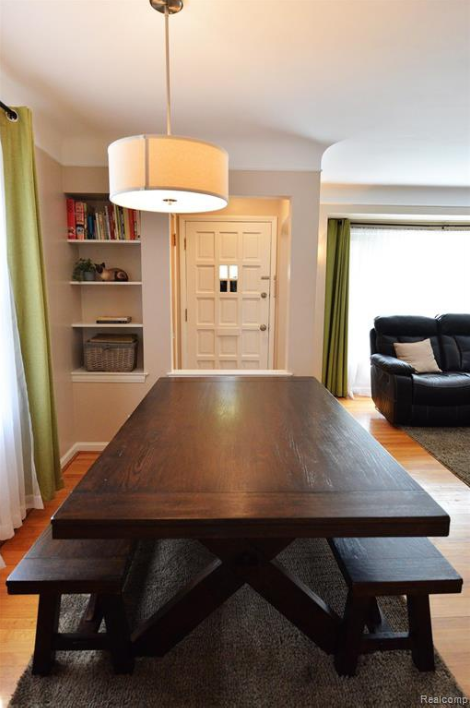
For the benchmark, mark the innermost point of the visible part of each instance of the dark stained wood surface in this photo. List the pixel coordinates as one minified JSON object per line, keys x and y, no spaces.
{"x":73,"y":566}
{"x":245,"y":457}
{"x":394,"y":566}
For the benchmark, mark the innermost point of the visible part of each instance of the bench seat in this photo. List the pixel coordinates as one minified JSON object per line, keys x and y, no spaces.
{"x":52,"y":568}
{"x":374,"y":567}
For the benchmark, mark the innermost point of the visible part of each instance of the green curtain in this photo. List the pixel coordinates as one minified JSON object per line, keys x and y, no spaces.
{"x":335,"y":335}
{"x":26,"y":266}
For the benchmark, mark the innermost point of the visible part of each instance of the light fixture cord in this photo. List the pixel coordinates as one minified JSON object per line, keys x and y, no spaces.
{"x":167,"y":51}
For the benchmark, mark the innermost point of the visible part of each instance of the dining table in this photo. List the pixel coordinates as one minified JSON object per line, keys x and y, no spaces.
{"x":245,"y":465}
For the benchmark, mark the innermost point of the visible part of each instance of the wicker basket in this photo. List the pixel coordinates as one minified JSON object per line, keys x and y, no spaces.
{"x":110,"y":352}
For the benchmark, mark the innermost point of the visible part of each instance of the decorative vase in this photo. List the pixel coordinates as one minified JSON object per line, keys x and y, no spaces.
{"x":88,"y":275}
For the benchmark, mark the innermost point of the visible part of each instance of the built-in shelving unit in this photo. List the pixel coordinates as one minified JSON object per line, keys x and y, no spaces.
{"x":95,"y":298}
{"x":98,"y":242}
{"x":94,"y":325}
{"x":82,"y":376}
{"x":104,"y":282}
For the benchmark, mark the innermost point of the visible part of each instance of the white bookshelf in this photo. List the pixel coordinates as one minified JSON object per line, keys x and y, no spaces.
{"x":80,"y":375}
{"x":94,"y":325}
{"x":92,"y":298}
{"x":107,"y":283}
{"x":98,"y":242}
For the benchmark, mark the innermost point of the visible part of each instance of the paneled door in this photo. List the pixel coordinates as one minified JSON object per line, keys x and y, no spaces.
{"x":227,"y":292}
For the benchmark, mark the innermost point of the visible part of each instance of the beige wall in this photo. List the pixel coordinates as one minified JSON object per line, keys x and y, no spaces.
{"x":380,"y":203}
{"x":280,"y":209}
{"x":93,"y":412}
{"x":303,"y":191}
{"x":101,"y":408}
{"x":64,"y":304}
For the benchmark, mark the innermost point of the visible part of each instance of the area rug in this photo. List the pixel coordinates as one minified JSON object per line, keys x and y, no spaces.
{"x":245,"y":655}
{"x":451,"y":446}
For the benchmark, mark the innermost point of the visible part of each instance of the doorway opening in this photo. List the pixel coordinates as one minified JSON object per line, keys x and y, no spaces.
{"x":230,"y":287}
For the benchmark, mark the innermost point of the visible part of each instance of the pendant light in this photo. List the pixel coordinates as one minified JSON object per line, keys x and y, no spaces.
{"x":167,"y":173}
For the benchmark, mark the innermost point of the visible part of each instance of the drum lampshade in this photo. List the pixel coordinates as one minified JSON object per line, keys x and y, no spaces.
{"x":167,"y":173}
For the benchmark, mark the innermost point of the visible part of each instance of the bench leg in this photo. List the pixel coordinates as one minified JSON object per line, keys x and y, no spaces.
{"x":91,"y":619}
{"x":350,"y":636}
{"x":46,"y":629}
{"x":117,"y":630}
{"x":419,"y":617}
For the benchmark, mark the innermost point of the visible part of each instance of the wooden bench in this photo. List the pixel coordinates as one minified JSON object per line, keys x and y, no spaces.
{"x":52,"y":568}
{"x":375,"y":567}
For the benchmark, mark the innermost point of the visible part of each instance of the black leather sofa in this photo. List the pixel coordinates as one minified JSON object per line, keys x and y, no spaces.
{"x":405,"y":397}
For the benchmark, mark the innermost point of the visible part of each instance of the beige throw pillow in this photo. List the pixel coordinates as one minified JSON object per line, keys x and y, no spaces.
{"x":419,"y":354}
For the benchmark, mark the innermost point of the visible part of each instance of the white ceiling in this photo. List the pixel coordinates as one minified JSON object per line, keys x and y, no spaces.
{"x":386,"y":83}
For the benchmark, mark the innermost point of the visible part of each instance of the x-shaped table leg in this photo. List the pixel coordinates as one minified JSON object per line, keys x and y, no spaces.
{"x":240,"y":561}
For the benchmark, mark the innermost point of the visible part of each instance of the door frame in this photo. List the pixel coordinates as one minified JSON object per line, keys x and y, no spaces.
{"x":183,"y":270}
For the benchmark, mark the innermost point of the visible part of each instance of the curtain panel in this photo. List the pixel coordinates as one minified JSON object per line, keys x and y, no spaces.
{"x":431,"y":279}
{"x":26,"y":267}
{"x":18,"y":482}
{"x":335,"y":334}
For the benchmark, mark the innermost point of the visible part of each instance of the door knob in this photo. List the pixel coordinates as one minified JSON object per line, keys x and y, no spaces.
{"x":263,"y":295}
{"x":263,"y":328}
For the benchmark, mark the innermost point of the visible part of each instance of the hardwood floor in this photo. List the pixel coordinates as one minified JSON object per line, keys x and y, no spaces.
{"x":451,"y":614}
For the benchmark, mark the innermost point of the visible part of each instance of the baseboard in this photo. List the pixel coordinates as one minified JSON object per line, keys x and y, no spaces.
{"x":81,"y":447}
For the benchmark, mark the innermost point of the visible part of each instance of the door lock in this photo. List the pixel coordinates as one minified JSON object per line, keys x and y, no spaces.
{"x":263,"y":328}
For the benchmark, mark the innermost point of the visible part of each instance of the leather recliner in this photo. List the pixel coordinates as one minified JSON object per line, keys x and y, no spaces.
{"x":405,"y":397}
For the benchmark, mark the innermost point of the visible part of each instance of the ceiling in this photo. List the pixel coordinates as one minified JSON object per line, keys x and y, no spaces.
{"x":385,"y":83}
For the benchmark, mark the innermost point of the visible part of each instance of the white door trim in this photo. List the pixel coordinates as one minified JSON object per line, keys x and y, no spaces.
{"x":182,"y":221}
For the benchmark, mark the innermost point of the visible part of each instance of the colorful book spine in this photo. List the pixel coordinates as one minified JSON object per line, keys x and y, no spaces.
{"x":107,"y":224}
{"x":80,"y":221}
{"x":90,"y":234}
{"x":127,"y":230}
{"x":112,"y":222}
{"x":130,"y":216}
{"x":122,"y":228}
{"x":137,"y":224}
{"x":71,"y":232}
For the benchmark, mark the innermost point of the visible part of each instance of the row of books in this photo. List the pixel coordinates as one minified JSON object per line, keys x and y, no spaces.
{"x":112,"y":223}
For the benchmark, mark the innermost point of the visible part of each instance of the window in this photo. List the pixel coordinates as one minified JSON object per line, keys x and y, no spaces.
{"x":402,"y":271}
{"x":228,"y":277}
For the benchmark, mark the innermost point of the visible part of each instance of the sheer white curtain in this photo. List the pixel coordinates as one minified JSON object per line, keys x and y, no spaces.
{"x":402,"y":271}
{"x":19,"y":488}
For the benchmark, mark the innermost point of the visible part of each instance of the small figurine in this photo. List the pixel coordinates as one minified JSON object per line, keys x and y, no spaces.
{"x":111,"y":274}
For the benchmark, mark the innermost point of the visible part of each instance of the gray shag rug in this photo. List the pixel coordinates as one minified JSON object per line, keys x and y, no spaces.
{"x":245,"y":655}
{"x":451,"y":446}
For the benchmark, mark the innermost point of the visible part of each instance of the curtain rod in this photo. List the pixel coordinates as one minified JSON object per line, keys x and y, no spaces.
{"x":11,"y":114}
{"x":407,"y":225}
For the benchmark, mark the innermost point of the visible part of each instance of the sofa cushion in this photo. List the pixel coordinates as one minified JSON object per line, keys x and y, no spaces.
{"x":407,"y":329}
{"x":446,"y":389}
{"x":454,"y":335}
{"x":419,"y":355}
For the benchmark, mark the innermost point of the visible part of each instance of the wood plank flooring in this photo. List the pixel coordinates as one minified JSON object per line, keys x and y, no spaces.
{"x":451,"y":614}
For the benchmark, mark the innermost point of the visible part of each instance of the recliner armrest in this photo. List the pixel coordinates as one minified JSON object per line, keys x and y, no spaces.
{"x":392,"y":365}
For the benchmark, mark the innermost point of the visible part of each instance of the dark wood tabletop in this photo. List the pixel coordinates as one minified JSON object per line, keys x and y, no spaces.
{"x":267,"y":457}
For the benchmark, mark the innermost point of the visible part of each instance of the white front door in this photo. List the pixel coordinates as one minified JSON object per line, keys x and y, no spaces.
{"x":228,"y":312}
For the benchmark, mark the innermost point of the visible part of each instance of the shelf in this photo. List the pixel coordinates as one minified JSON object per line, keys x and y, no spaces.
{"x":96,"y":242}
{"x":83,"y":376}
{"x":94,"y":325}
{"x":103,"y":282}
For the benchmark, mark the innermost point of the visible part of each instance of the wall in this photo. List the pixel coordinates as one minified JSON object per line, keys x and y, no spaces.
{"x":99,"y":409}
{"x":380,"y":203}
{"x":63,"y":300}
{"x":280,"y":209}
{"x":303,"y":190}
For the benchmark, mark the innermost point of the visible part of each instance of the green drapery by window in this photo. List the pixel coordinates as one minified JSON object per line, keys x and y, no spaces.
{"x":335,"y":335}
{"x":26,"y":266}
